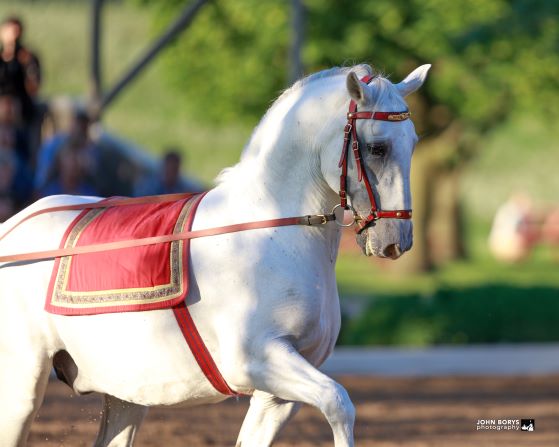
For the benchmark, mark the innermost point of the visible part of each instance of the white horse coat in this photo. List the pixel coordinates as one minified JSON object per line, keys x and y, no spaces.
{"x":265,"y":301}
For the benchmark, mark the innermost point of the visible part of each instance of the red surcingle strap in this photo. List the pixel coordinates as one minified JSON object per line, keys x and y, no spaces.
{"x":199,"y":350}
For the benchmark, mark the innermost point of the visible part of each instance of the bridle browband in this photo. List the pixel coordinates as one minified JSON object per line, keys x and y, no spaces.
{"x":350,"y":133}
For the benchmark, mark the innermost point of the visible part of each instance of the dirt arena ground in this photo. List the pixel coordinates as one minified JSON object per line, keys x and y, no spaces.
{"x":390,"y":412}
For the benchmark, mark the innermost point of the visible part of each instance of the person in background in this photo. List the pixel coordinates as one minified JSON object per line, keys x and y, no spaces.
{"x":14,"y":152}
{"x":20,"y":71}
{"x":550,"y":231}
{"x":515,"y":229}
{"x":10,"y":129}
{"x":70,"y":174}
{"x":7,"y":208}
{"x":169,"y":180}
{"x":78,"y":139}
{"x":7,"y":175}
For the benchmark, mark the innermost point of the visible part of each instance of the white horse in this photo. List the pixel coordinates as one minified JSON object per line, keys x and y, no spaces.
{"x":265,"y":301}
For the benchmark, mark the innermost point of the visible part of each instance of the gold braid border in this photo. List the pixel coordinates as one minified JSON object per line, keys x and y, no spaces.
{"x":120,"y":297}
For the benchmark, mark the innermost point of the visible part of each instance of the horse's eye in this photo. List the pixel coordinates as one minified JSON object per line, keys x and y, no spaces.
{"x":377,"y":149}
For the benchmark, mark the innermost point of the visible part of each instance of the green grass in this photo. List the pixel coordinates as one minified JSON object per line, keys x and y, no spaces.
{"x":489,"y":313}
{"x":369,"y":277}
{"x":478,"y":300}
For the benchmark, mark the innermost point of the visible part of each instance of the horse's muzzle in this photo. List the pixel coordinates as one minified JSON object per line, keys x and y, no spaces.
{"x":393,"y":251}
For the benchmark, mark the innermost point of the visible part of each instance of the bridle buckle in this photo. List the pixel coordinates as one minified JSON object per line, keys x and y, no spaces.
{"x":399,"y":116}
{"x":317,"y":219}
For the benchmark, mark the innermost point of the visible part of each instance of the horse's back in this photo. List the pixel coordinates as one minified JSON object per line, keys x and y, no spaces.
{"x":41,"y":232}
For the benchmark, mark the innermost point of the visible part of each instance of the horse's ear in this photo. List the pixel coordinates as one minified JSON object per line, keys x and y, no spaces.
{"x":357,"y":89}
{"x":414,"y":80}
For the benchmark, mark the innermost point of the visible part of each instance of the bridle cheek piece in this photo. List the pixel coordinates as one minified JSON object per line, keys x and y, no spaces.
{"x":350,"y":136}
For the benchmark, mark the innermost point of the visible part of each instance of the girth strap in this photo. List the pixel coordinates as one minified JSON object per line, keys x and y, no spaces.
{"x":199,"y":350}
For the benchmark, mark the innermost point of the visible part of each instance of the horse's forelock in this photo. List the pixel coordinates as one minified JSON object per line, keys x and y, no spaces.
{"x":360,"y":70}
{"x":385,"y":93}
{"x":383,"y":90}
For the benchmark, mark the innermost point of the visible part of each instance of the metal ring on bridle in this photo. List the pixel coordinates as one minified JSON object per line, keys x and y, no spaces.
{"x":348,"y":207}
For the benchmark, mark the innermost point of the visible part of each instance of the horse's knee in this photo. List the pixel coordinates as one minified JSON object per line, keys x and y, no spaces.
{"x":336,"y":404}
{"x":266,"y":416}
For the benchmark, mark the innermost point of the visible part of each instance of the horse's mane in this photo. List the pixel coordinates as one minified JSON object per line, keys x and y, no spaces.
{"x":383,"y":88}
{"x":360,"y":69}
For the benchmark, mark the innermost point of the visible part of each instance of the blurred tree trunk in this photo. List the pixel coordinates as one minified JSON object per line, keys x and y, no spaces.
{"x":445,"y":231}
{"x":295,"y":63}
{"x":437,"y":214}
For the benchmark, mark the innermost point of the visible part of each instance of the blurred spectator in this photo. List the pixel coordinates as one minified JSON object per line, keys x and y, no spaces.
{"x":70,"y":174}
{"x":550,"y":228}
{"x":10,"y":133}
{"x":76,"y":140}
{"x":17,"y":180}
{"x":7,"y":208}
{"x":7,"y":175}
{"x":169,"y":180}
{"x":20,"y":73}
{"x":515,"y":229}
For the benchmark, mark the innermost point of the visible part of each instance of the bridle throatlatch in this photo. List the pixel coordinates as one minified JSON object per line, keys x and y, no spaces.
{"x":350,"y":136}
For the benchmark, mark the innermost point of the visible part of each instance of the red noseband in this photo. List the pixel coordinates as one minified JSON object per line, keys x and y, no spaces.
{"x":350,"y":133}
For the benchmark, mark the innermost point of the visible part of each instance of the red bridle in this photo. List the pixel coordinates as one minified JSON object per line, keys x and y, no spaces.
{"x":350,"y":133}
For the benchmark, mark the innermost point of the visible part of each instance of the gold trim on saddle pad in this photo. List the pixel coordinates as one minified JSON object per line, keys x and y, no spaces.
{"x":85,"y":302}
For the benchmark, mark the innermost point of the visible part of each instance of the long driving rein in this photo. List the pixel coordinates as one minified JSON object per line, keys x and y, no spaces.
{"x":350,"y":133}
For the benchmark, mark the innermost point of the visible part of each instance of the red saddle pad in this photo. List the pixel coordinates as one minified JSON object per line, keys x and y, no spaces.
{"x":130,"y":279}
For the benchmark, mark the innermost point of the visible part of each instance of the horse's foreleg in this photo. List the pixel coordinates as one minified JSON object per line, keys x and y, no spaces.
{"x":286,"y":374}
{"x":120,"y":422}
{"x":265,"y":418}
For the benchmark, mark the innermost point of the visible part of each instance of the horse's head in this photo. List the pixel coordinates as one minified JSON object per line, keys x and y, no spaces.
{"x":380,"y":195}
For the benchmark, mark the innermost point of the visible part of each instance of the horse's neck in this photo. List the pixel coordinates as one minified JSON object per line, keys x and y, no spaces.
{"x":280,"y":170}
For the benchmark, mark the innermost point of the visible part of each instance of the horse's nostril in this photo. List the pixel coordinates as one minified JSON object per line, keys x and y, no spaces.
{"x":393,"y":251}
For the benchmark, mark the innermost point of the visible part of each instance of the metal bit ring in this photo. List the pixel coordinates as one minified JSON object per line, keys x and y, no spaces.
{"x":348,"y":207}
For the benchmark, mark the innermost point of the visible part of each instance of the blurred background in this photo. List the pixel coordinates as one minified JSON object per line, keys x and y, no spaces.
{"x":485,"y":262}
